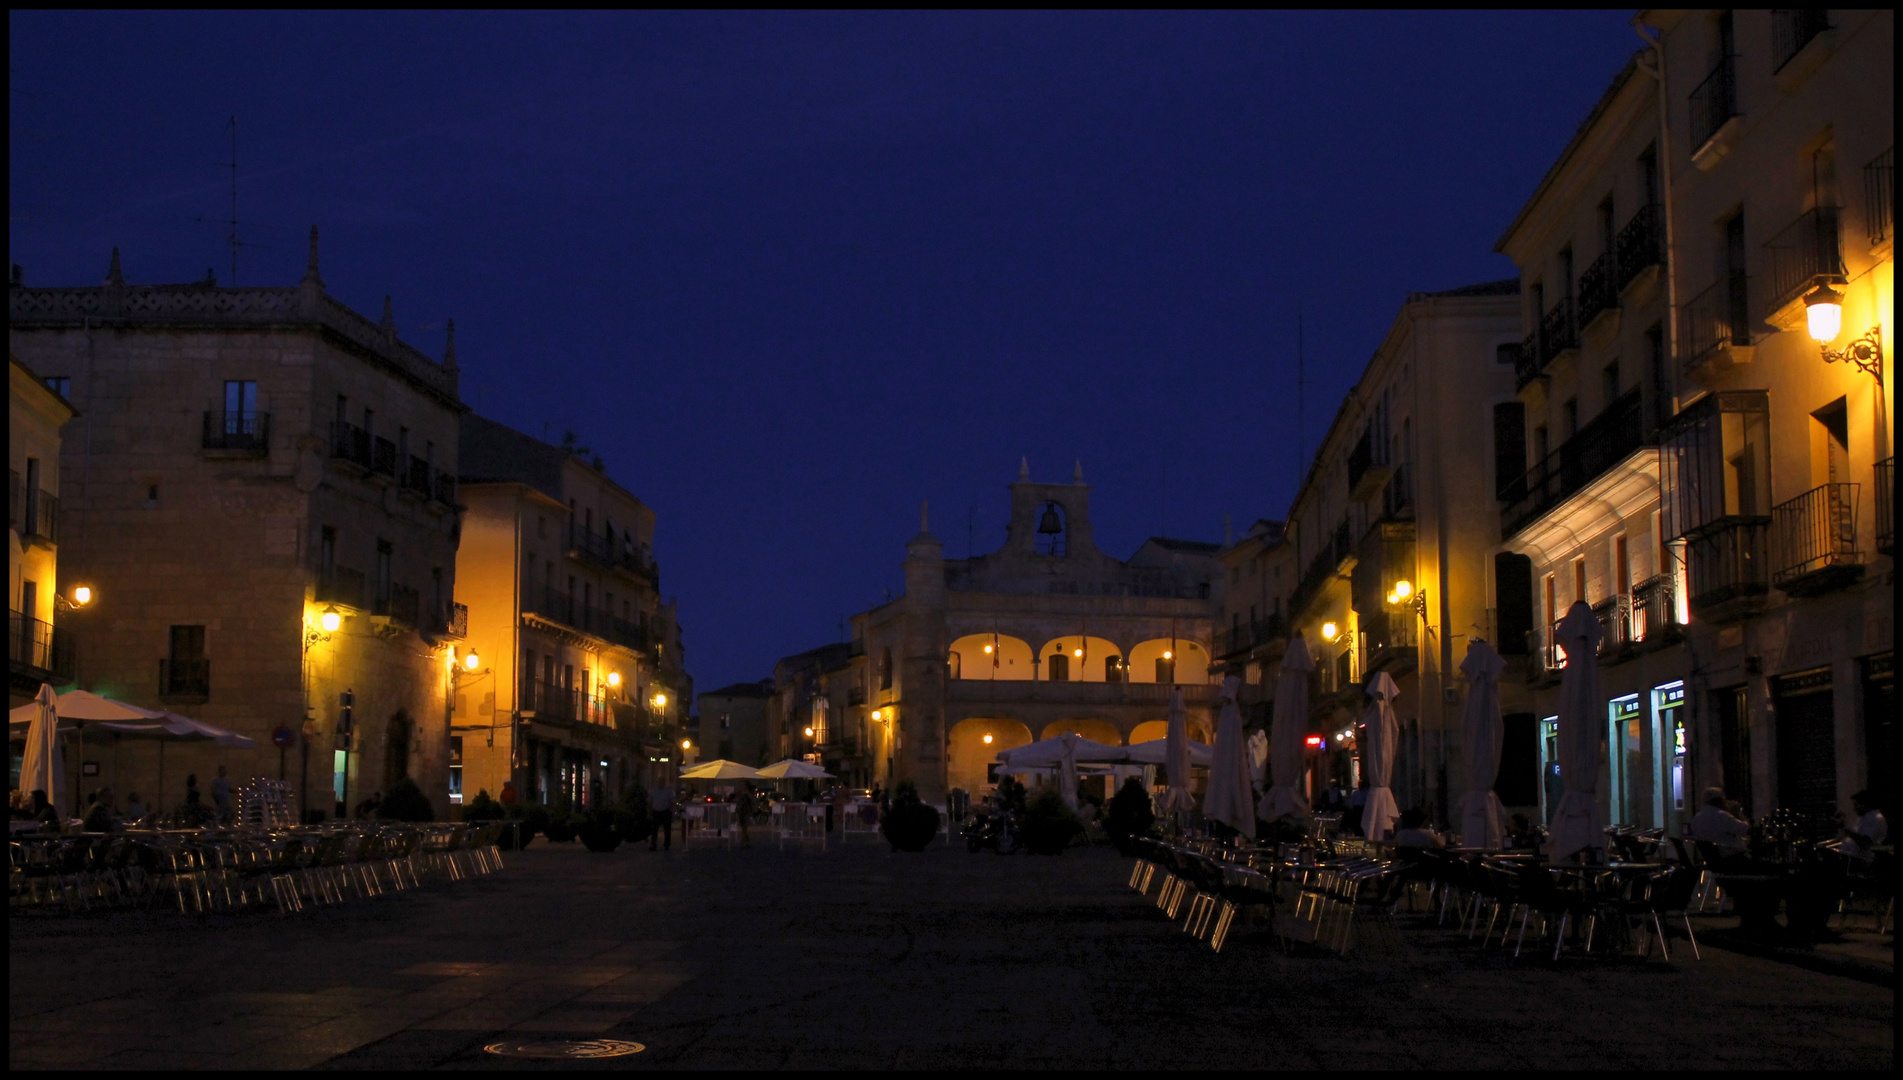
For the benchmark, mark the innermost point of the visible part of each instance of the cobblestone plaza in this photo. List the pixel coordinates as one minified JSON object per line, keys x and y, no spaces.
{"x":862,"y":958}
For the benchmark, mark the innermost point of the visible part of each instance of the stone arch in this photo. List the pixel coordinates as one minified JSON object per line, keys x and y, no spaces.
{"x":968,"y":755}
{"x":1160,"y":729}
{"x":1086,"y":668}
{"x":1009,"y":658}
{"x":1089,"y":727}
{"x":1190,"y":658}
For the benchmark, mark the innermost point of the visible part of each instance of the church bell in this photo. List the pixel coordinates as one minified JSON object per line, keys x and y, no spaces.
{"x":1048,"y":524}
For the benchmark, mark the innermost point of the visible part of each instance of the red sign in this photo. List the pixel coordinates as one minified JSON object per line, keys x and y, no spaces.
{"x":1315,"y":741}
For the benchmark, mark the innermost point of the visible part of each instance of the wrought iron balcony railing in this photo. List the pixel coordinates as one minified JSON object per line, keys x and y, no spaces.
{"x":1726,"y":561}
{"x":1714,"y":101}
{"x":416,"y":476}
{"x":1654,"y":609}
{"x":39,"y":518}
{"x":456,"y":621}
{"x":1814,"y":534}
{"x":248,"y":432}
{"x":1792,"y":29}
{"x":341,"y":585}
{"x":1527,"y":364}
{"x":1715,"y":318}
{"x":1802,"y":254}
{"x":39,"y":650}
{"x":383,"y":457}
{"x":1559,"y":331}
{"x":1641,"y":243}
{"x":350,"y":443}
{"x":1598,"y":289}
{"x":1886,"y":505}
{"x":1879,"y":196}
{"x":1610,"y":438}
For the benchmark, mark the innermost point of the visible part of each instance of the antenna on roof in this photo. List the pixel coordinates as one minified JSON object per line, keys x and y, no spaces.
{"x":231,"y":222}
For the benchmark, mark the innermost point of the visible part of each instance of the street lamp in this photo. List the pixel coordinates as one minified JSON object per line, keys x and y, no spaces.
{"x":659,"y":700}
{"x":1330,"y":631}
{"x":330,"y":620}
{"x":1824,"y":317}
{"x":614,"y":678}
{"x":471,"y":662}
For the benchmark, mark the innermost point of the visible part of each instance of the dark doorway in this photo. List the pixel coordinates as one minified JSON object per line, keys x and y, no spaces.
{"x":1879,"y":719}
{"x":1806,"y":746}
{"x":396,"y":758}
{"x":1519,"y":781}
{"x":1729,"y":705}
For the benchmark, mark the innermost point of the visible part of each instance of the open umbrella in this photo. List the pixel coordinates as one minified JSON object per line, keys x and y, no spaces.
{"x":1156,"y":752}
{"x":1176,"y":797}
{"x":85,"y":705}
{"x":1229,"y":798}
{"x":1577,"y":824}
{"x":1288,"y":727}
{"x":1482,"y":819}
{"x":794,"y":769}
{"x":720,"y":769}
{"x":44,"y":768}
{"x":1050,"y":752}
{"x":1377,"y":817}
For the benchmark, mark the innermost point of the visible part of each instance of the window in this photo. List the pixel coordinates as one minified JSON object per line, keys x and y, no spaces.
{"x":1057,"y":667}
{"x":885,"y":669}
{"x":369,"y":419}
{"x":1649,"y":174}
{"x":1541,"y":443}
{"x":1569,"y":417}
{"x":343,"y":408}
{"x":456,"y":769}
{"x":384,"y":556}
{"x":1622,"y":565}
{"x":1165,"y":670}
{"x":241,"y":407}
{"x":1607,"y":226}
{"x":1505,"y":355}
{"x":1579,"y":580}
{"x":327,"y":554}
{"x":186,"y":673}
{"x":1609,"y":385}
{"x":61,"y":385}
{"x":403,"y":449}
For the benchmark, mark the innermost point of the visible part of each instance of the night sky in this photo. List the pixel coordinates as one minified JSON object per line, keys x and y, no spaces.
{"x":792,"y":274}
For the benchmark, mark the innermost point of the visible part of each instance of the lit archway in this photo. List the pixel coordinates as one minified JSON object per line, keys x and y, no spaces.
{"x":1185,"y":661}
{"x":969,"y":756}
{"x":1150,"y":730}
{"x":1091,"y":728}
{"x":987,"y":657}
{"x":1083,"y":658}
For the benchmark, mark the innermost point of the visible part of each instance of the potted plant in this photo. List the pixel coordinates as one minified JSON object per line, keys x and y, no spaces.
{"x":598,"y":832}
{"x":910,"y":824}
{"x":1049,"y":825}
{"x":405,"y":802}
{"x":631,"y":817}
{"x":560,"y":828}
{"x":1131,"y":816}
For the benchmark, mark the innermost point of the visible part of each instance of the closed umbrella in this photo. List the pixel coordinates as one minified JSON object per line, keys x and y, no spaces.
{"x":43,"y":768}
{"x":1287,"y":728}
{"x":1482,"y":819}
{"x":1177,"y":797}
{"x":1229,"y":799}
{"x":1377,"y":816}
{"x":1067,"y":769}
{"x":1577,"y":824}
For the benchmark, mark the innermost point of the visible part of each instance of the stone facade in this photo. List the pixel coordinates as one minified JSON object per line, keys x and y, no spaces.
{"x":1045,"y":635}
{"x":248,"y":462}
{"x":733,"y":724}
{"x":578,"y":685}
{"x":38,"y":649}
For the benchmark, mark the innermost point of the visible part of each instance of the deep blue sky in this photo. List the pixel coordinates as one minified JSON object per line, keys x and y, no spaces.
{"x":792,"y":274}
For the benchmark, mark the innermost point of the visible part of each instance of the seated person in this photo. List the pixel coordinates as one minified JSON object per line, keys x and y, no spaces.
{"x":1415,"y":833}
{"x":1519,"y":833}
{"x":1717,"y":826}
{"x":1869,"y":830}
{"x":136,"y":810}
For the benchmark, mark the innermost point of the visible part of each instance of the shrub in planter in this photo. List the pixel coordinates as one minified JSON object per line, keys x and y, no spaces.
{"x":910,"y":824}
{"x":631,"y":817}
{"x":1049,"y":826}
{"x":483,"y":808}
{"x":598,"y":832}
{"x":529,"y":819}
{"x":561,"y":828}
{"x":406,"y":802}
{"x":1130,"y":816}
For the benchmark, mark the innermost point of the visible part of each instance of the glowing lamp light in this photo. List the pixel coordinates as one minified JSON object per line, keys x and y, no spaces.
{"x":330,"y":620}
{"x":1824,"y":314}
{"x":472,"y":661}
{"x":987,"y":740}
{"x":1169,"y":654}
{"x":989,"y":650}
{"x":809,"y":733}
{"x":1330,"y":631}
{"x":1402,"y":590}
{"x":1078,"y":653}
{"x":659,"y":701}
{"x":614,"y":678}
{"x":686,"y":744}
{"x":878,"y":714}
{"x":82,"y":595}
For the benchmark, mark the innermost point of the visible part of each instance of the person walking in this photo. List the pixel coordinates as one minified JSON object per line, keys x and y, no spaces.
{"x":743,"y":808}
{"x":661,"y":810}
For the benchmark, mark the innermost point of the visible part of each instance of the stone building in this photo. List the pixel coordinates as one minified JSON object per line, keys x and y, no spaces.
{"x":576,"y":687}
{"x":39,"y":649}
{"x":1383,"y":562}
{"x":1728,"y":514}
{"x":733,"y":724}
{"x":263,"y":482}
{"x":1048,"y":634}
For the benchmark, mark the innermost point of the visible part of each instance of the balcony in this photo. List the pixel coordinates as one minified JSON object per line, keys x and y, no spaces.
{"x":1325,"y":564}
{"x":1726,"y":563}
{"x":1389,"y":640}
{"x":1397,"y":500}
{"x":341,"y":585}
{"x":1032,"y":692}
{"x":1886,"y":506}
{"x":1654,"y":611}
{"x":185,"y":680}
{"x":1791,"y":30}
{"x":246,"y":433}
{"x":416,"y":477}
{"x":1815,"y":541}
{"x":445,"y":488}
{"x":383,"y":457}
{"x":1615,"y":625}
{"x":350,"y":445}
{"x":601,"y":550}
{"x":1599,"y":288}
{"x":559,"y":607}
{"x":1714,"y":102}
{"x":1805,"y":253}
{"x":456,"y":621}
{"x":1610,"y":438}
{"x":403,"y":605}
{"x":1242,"y":638}
{"x":1367,"y":463}
{"x":1879,"y":197}
{"x":39,"y":652}
{"x":36,"y":516}
{"x":1527,"y":365}
{"x":1559,"y":332}
{"x":1715,"y":327}
{"x":1641,"y":244}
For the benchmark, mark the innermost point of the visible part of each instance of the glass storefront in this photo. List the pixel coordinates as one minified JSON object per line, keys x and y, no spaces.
{"x":1626,"y":751}
{"x":1668,"y":711}
{"x":1550,"y":786}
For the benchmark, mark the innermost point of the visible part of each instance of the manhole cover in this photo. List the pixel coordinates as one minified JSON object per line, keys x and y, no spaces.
{"x":565,"y":1048}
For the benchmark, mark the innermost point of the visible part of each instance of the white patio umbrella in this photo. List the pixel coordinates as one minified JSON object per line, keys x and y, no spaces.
{"x":720,"y":769}
{"x":44,"y":768}
{"x":1156,"y":752}
{"x":1577,"y":822}
{"x":1229,"y":798}
{"x":85,"y":705}
{"x":1177,"y":797}
{"x":1482,"y":818}
{"x":794,"y":769}
{"x":1288,"y":727}
{"x":1378,"y":814}
{"x":1050,"y":752}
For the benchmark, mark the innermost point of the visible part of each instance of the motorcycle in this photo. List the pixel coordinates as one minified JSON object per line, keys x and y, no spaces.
{"x":994,"y":829}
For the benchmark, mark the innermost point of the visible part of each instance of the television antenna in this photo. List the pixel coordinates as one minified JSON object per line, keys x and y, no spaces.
{"x":231,"y":222}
